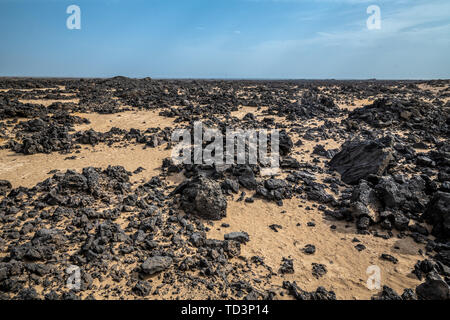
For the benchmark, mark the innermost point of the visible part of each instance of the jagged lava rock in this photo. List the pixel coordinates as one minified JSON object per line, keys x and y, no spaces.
{"x":5,"y":186}
{"x":434,"y":288}
{"x":203,"y":197}
{"x":156,"y":264}
{"x":438,"y":214}
{"x":358,"y":159}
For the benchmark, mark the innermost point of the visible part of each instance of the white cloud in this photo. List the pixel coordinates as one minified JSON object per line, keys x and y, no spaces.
{"x":419,"y":21}
{"x":414,"y":42}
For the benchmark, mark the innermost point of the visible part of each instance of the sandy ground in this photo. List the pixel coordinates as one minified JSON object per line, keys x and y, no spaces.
{"x":47,"y":102}
{"x":124,"y":120}
{"x":346,"y":266}
{"x":28,"y":170}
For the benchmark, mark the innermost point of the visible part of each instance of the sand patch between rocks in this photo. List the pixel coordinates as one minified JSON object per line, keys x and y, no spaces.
{"x":27,"y":170}
{"x":334,"y":248}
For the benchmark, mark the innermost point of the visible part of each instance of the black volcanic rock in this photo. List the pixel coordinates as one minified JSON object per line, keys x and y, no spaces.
{"x":434,"y":288}
{"x":230,"y":186}
{"x":121,"y":231}
{"x":438,"y":214}
{"x":203,"y":197}
{"x":5,"y":186}
{"x":287,"y":266}
{"x":412,"y":114}
{"x":274,"y":190}
{"x":246,"y":176}
{"x":389,"y":258}
{"x":359,"y":159}
{"x":387,"y":294}
{"x":241,"y":237}
{"x":156,"y":264}
{"x":299,"y":294}
{"x":54,"y":138}
{"x":310,"y":105}
{"x":285,"y":143}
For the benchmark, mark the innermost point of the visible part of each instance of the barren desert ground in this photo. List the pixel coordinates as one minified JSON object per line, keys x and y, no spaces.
{"x":87,"y":182}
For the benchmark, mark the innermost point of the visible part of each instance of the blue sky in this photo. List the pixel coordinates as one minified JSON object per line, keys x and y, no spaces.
{"x":226,"y":39}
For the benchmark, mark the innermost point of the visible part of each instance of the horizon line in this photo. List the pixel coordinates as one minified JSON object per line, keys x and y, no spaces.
{"x":225,"y":78}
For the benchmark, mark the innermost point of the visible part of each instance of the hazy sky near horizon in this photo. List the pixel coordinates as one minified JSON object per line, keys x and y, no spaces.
{"x":226,"y":39}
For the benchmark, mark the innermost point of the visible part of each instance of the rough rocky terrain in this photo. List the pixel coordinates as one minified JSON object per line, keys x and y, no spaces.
{"x":87,"y":180}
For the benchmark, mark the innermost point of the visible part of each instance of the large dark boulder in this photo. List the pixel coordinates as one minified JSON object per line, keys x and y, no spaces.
{"x":438,"y":214}
{"x":156,"y":264}
{"x":246,"y":176}
{"x":359,"y":159}
{"x":434,"y":288}
{"x":203,"y":197}
{"x":390,"y":192}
